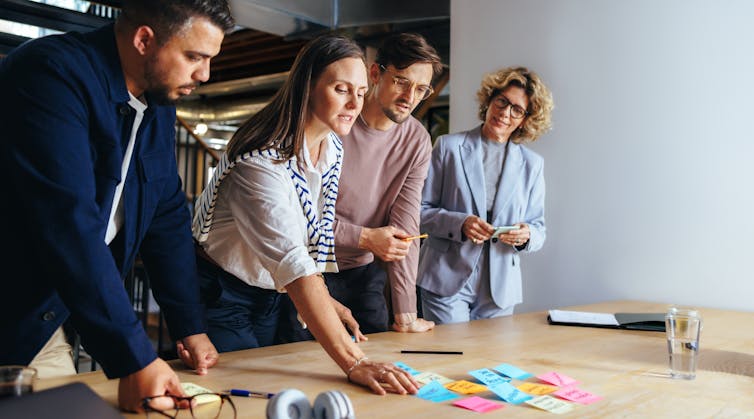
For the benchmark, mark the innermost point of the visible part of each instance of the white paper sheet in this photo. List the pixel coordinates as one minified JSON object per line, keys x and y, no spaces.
{"x":563,"y":316}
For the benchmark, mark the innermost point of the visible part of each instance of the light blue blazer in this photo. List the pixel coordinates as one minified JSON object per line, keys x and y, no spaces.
{"x":455,"y":189}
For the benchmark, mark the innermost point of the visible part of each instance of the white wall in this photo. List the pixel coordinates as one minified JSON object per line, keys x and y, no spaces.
{"x":650,"y":164}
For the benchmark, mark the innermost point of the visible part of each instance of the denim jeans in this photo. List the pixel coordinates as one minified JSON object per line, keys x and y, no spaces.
{"x":361,"y":289}
{"x":239,"y":316}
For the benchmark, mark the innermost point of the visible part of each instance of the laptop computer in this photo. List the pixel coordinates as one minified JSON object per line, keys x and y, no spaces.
{"x":75,"y":400}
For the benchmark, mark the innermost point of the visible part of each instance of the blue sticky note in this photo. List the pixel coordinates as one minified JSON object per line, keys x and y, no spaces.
{"x":406,"y":368}
{"x":435,"y":392}
{"x":513,"y":372}
{"x":488,"y":377}
{"x":509,"y":393}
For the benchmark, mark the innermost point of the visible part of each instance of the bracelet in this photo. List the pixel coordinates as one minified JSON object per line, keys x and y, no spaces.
{"x":356,"y":364}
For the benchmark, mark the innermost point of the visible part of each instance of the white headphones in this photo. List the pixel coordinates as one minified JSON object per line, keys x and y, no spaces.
{"x":293,"y":404}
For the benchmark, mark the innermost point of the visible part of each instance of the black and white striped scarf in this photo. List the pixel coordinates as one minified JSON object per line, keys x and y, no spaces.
{"x":321,"y":244}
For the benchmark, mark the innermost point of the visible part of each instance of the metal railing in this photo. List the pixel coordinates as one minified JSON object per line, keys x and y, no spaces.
{"x":196,"y":161}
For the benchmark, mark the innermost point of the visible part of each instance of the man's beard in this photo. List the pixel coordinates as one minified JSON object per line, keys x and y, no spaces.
{"x":158,"y":91}
{"x":394,"y":116}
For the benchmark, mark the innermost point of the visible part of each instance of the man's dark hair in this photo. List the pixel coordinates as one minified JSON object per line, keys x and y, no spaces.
{"x":405,"y":49}
{"x":168,"y":17}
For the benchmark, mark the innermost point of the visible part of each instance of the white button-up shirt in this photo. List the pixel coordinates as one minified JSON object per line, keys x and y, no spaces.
{"x":259,"y":231}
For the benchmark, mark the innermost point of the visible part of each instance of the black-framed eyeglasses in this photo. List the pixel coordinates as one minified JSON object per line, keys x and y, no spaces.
{"x":404,"y":85}
{"x":501,"y":102}
{"x":201,"y":406}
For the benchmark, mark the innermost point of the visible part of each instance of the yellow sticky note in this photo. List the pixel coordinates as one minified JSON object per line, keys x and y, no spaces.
{"x":550,"y":404}
{"x":192,"y":389}
{"x":536,"y":389}
{"x":466,"y":387}
{"x":426,"y":377}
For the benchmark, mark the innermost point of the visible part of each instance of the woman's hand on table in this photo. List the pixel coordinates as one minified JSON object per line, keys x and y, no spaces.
{"x":383,"y":377}
{"x":345,"y":316}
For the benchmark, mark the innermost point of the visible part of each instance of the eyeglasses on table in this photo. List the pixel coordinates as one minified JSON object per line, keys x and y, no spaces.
{"x":202,"y":406}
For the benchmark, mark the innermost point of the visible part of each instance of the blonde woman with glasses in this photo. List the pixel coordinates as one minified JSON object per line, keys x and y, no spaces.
{"x":483,"y":203}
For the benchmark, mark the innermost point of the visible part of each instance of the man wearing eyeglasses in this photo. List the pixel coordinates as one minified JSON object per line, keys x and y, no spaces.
{"x":386,"y":158}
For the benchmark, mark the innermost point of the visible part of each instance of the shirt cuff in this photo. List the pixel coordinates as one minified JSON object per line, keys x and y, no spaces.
{"x":185,"y":319}
{"x":294,"y":265}
{"x":125,"y":352}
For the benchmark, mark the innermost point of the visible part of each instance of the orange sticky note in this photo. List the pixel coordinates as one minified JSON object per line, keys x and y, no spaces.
{"x":466,"y":387}
{"x":536,"y":389}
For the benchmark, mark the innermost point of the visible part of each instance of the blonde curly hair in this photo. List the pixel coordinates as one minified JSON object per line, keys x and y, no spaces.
{"x":537,"y":120}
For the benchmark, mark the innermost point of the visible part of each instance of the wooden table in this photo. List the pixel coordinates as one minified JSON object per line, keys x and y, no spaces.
{"x":627,"y":368}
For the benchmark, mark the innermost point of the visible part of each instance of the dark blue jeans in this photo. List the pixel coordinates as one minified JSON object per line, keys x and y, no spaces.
{"x":361,"y":289}
{"x":239,"y":316}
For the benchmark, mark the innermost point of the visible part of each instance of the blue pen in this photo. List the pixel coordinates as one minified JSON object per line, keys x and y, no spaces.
{"x":248,"y":393}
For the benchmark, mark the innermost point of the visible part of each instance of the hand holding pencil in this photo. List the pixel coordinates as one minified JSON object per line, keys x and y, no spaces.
{"x":385,"y":243}
{"x":420,"y":236}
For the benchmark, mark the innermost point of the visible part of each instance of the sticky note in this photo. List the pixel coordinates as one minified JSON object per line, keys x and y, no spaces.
{"x":406,"y":368}
{"x":488,"y":377}
{"x":478,"y":404}
{"x":466,"y":387}
{"x":556,"y":379}
{"x":435,"y":392}
{"x":509,"y":393}
{"x":550,"y":404}
{"x":577,"y":395}
{"x":536,"y":389}
{"x":426,"y":377}
{"x":192,"y":389}
{"x":512,"y":372}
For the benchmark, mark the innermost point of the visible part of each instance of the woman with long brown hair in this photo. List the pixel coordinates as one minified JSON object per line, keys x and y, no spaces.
{"x":264,"y":224}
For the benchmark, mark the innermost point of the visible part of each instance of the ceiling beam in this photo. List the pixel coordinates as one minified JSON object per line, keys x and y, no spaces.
{"x":51,"y":17}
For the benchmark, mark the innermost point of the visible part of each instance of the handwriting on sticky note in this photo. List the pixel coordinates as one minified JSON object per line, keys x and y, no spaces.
{"x":550,"y":404}
{"x":509,"y":393}
{"x":536,"y":389}
{"x":466,"y":387}
{"x":557,"y":379}
{"x":426,"y":377}
{"x":478,"y":404}
{"x":406,"y":368}
{"x":192,"y":389}
{"x":512,"y":371}
{"x":488,"y":377}
{"x":577,"y":395}
{"x":435,"y":392}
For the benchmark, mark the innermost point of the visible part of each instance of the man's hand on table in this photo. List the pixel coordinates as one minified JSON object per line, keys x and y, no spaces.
{"x":156,"y":379}
{"x":409,"y":323}
{"x":197,"y":352}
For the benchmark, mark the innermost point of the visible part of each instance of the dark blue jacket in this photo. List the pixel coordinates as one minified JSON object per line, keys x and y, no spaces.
{"x":64,"y":127}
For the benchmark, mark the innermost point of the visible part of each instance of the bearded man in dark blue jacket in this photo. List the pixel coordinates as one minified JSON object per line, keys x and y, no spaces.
{"x":88,"y":163}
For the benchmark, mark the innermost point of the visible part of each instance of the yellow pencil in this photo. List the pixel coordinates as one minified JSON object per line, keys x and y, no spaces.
{"x":421,"y":236}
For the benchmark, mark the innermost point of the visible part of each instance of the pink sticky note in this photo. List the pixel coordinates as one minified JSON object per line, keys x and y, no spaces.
{"x":577,"y":395}
{"x":478,"y":404}
{"x":557,"y":379}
